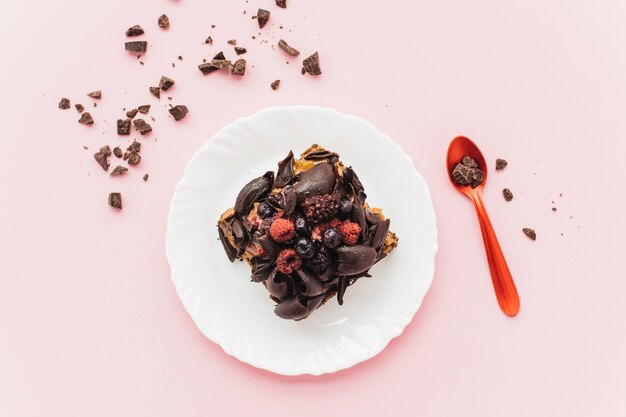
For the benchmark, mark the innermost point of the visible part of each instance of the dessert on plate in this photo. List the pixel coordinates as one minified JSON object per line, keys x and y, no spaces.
{"x":306,"y":231}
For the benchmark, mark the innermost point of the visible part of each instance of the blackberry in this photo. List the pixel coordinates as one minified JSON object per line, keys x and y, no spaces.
{"x":321,"y":208}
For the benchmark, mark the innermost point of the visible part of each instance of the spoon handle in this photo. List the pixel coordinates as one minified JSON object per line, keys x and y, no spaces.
{"x":503,"y":284}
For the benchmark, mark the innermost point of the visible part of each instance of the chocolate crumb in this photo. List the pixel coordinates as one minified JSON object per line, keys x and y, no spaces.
{"x":232,"y":41}
{"x":262,"y":16}
{"x":118,"y":170}
{"x":144,"y":109}
{"x":102,"y":159}
{"x":79,"y":107}
{"x":123,"y":127}
{"x":86,"y":119}
{"x":209,"y":40}
{"x":134,"y":158}
{"x":469,"y":162}
{"x":136,"y":46}
{"x":180,"y":57}
{"x":164,"y":22}
{"x":85,"y":147}
{"x":115,"y":200}
{"x":131,"y":113}
{"x":134,"y":31}
{"x":166,"y":83}
{"x":95,"y":104}
{"x":95,"y":94}
{"x":212,"y":26}
{"x":179,"y":112}
{"x":117,"y":151}
{"x":285,"y":47}
{"x":141,"y":62}
{"x":142,"y":126}
{"x":553,"y":208}
{"x":64,"y":104}
{"x":312,"y":64}
{"x":501,"y":163}
{"x":156,"y":91}
{"x":508,"y":195}
{"x":281,"y":3}
{"x":275,"y":84}
{"x":240,"y":50}
{"x":239,"y":67}
{"x":530,"y":233}
{"x":145,"y":177}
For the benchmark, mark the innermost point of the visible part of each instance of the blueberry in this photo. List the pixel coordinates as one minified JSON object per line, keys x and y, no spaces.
{"x":331,"y":238}
{"x":345,"y":208}
{"x":265,"y":210}
{"x":301,"y":227}
{"x":305,"y":248}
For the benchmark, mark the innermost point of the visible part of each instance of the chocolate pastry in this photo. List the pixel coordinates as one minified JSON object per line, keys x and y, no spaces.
{"x":306,"y":231}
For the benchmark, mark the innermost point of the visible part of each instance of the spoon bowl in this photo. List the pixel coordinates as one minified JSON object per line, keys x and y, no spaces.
{"x":460,"y":147}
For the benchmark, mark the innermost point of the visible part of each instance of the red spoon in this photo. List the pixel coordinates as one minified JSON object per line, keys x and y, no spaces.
{"x":503,"y":284}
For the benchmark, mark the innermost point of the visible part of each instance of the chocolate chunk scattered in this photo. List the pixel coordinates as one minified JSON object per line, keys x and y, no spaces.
{"x":79,"y":107}
{"x":156,"y":91}
{"x":115,"y":200}
{"x":501,"y":163}
{"x":134,"y":147}
{"x":134,"y":31}
{"x":64,"y":104}
{"x":136,"y":46}
{"x":164,"y":22}
{"x":102,"y":159}
{"x":530,"y":233}
{"x":179,"y":112}
{"x":123,"y":127}
{"x":142,"y":126}
{"x":275,"y":84}
{"x":134,"y":158}
{"x":145,"y":177}
{"x":144,"y":109}
{"x":262,"y":16}
{"x":119,"y":170}
{"x":312,"y":64}
{"x":95,"y":94}
{"x":232,"y":42}
{"x":240,"y":50}
{"x":508,"y":195}
{"x":290,"y":51}
{"x":467,"y":172}
{"x":462,"y":174}
{"x":131,"y":113}
{"x":469,"y":162}
{"x":117,"y":151}
{"x":106,"y":149}
{"x":209,"y":40}
{"x":221,"y":63}
{"x":166,"y":83}
{"x":86,"y":119}
{"x":239,"y":67}
{"x":281,"y":3}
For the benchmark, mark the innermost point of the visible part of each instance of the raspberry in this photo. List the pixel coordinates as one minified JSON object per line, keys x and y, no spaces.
{"x":349,"y":232}
{"x":288,"y":261}
{"x":321,"y":208}
{"x":282,"y":230}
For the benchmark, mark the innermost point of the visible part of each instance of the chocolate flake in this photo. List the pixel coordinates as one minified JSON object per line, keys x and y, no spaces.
{"x":164,"y":22}
{"x":262,"y":16}
{"x":156,"y":91}
{"x":86,"y":119}
{"x":102,"y":159}
{"x":530,"y":233}
{"x":275,"y":84}
{"x":281,"y":3}
{"x":79,"y":107}
{"x":119,"y":170}
{"x":166,"y":83}
{"x":136,"y":46}
{"x":508,"y":195}
{"x":239,"y":67}
{"x":290,"y":51}
{"x":117,"y":151}
{"x":131,"y":113}
{"x":285,"y":171}
{"x":64,"y":104}
{"x":145,"y":177}
{"x":115,"y":200}
{"x":240,"y":50}
{"x":95,"y":94}
{"x":312,"y":64}
{"x":134,"y":31}
{"x":179,"y":112}
{"x":501,"y":163}
{"x":209,"y":40}
{"x":142,"y":126}
{"x":144,"y":109}
{"x":123,"y":127}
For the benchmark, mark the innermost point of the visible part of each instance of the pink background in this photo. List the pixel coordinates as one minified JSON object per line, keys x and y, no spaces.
{"x":90,"y":324}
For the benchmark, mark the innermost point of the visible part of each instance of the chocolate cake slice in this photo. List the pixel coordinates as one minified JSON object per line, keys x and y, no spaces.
{"x":306,"y":231}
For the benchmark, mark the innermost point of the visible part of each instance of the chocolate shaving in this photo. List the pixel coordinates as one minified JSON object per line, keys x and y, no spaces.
{"x":341,"y":289}
{"x":136,"y":46}
{"x":115,"y":200}
{"x":86,"y":119}
{"x":240,"y":50}
{"x":179,"y":112}
{"x":164,"y":22}
{"x":156,"y":91}
{"x":231,"y":252}
{"x":284,"y":174}
{"x":209,"y":40}
{"x":262,"y":16}
{"x":144,"y":109}
{"x":261,"y":270}
{"x":252,"y":192}
{"x":64,"y":104}
{"x":290,"y":203}
{"x":142,"y":126}
{"x":312,"y":64}
{"x":285,"y":47}
{"x":95,"y":94}
{"x":131,"y":113}
{"x":508,"y":195}
{"x":271,"y":248}
{"x":134,"y":31}
{"x":355,"y":259}
{"x":275,"y":84}
{"x":79,"y":107}
{"x":119,"y":170}
{"x":530,"y":233}
{"x":123,"y":127}
{"x":371,"y":217}
{"x":500,"y":164}
{"x":166,"y":83}
{"x":378,"y":239}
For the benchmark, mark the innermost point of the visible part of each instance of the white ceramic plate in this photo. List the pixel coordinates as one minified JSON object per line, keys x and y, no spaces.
{"x":236,"y":313}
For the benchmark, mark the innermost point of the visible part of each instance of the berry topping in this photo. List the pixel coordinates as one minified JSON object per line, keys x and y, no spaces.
{"x":349,"y":232}
{"x":345,"y":208}
{"x":288,"y":261}
{"x":320,"y":208}
{"x":331,"y":238}
{"x":301,"y":227}
{"x":305,"y":248}
{"x":319,"y":263}
{"x":265,"y":210}
{"x":282,"y":230}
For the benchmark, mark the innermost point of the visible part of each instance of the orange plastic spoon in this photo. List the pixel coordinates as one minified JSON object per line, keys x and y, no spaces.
{"x":500,"y":275}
